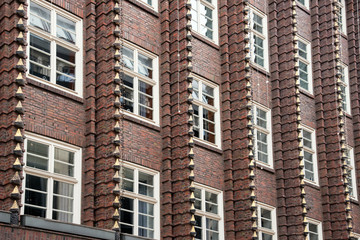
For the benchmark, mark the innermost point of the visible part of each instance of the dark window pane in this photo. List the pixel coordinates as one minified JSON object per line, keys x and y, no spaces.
{"x":35,"y":211}
{"x":65,"y":54}
{"x":36,"y":183}
{"x":65,"y":81}
{"x":35,"y":198}
{"x":63,"y":217}
{"x":38,"y":148}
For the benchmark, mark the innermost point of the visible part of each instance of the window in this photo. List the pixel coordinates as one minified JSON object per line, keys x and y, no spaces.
{"x":209,"y":214}
{"x":263,"y":136}
{"x":55,"y":47}
{"x":351,"y":172}
{"x":342,"y":17}
{"x":206,"y":111}
{"x":259,"y":44}
{"x":309,"y":152}
{"x":356,"y":236}
{"x":204,"y":18}
{"x":140,"y":90}
{"x":52,"y":179}
{"x":304,"y":2}
{"x":305,"y":65}
{"x":140,"y":202}
{"x":344,"y":86}
{"x":315,"y":230}
{"x":267,"y":222}
{"x":152,"y":4}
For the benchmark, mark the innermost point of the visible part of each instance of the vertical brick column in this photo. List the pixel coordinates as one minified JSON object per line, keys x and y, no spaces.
{"x":327,"y":117}
{"x":352,"y":14}
{"x":286,"y":119}
{"x":177,"y":174}
{"x":12,"y":81}
{"x":166,"y":105}
{"x":239,"y":206}
{"x":226,"y":14}
{"x":105,"y":113}
{"x":90,"y":99}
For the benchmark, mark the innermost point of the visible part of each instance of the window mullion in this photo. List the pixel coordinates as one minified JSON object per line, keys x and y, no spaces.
{"x":50,"y":198}
{"x":136,"y":216}
{"x":53,"y":62}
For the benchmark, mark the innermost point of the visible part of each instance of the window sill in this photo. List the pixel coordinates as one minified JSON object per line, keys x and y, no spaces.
{"x":145,"y":7}
{"x":306,"y":93}
{"x":304,"y":8}
{"x":136,"y":119}
{"x":208,"y":146}
{"x":203,"y":39}
{"x":311,"y":184}
{"x":69,"y":228}
{"x":4,"y":217}
{"x":354,"y":201}
{"x":260,"y":69}
{"x":264,"y":167}
{"x":49,"y":88}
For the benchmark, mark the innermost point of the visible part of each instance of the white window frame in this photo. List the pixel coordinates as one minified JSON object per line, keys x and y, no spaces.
{"x":136,"y":196}
{"x":51,"y":176}
{"x":306,"y":3}
{"x":203,"y":214}
{"x":307,"y":61}
{"x":214,"y":7}
{"x":313,"y":151}
{"x":345,"y":83}
{"x":154,"y":82}
{"x":54,"y":40}
{"x":263,"y":36}
{"x":352,"y":171}
{"x":273,"y":230}
{"x":342,"y":17}
{"x":357,"y":236}
{"x":154,"y":4}
{"x":319,"y":227}
{"x":267,"y":131}
{"x":215,"y":108}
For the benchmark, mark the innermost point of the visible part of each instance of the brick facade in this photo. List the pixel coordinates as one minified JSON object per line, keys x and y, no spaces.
{"x":88,"y":121}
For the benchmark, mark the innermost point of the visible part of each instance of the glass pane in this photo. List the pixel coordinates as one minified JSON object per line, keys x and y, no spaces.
{"x":64,"y":169}
{"x":209,"y":137}
{"x":35,"y":211}
{"x":65,"y":81}
{"x":144,"y":100}
{"x":313,"y":228}
{"x":61,"y":216}
{"x":39,"y":71}
{"x":38,"y":148}
{"x":146,"y":178}
{"x":146,"y":221}
{"x":266,"y":236}
{"x":146,"y":190}
{"x":146,"y":208}
{"x":198,"y":227}
{"x":128,"y":173}
{"x":64,"y":156}
{"x":36,"y":183}
{"x":65,"y":54}
{"x":35,"y":198}
{"x":65,"y":29}
{"x":145,"y":112}
{"x":126,"y":229}
{"x":39,"y":17}
{"x":128,"y":81}
{"x":128,"y":58}
{"x":127,"y":203}
{"x":64,"y":204}
{"x":64,"y":189}
{"x":127,"y":217}
{"x":211,"y":197}
{"x":146,"y":233}
{"x":207,"y":114}
{"x":39,"y":57}
{"x":212,"y":224}
{"x":145,"y":88}
{"x":37,"y":162}
{"x":208,"y":90}
{"x":211,"y":208}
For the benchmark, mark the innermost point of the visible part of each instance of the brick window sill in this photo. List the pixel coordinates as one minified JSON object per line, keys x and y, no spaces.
{"x":145,"y":8}
{"x":199,"y":143}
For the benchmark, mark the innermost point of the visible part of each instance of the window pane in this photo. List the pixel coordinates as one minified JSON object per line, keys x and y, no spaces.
{"x":39,"y":17}
{"x":36,"y":183}
{"x":127,"y":203}
{"x":35,"y":211}
{"x":127,"y":92}
{"x":64,"y":161}
{"x":212,"y":208}
{"x":145,"y":112}
{"x":65,"y":29}
{"x":145,"y":66}
{"x":207,"y":114}
{"x":144,"y":181}
{"x":266,"y":218}
{"x":65,"y":54}
{"x":146,"y":208}
{"x":63,"y":217}
{"x":128,"y":58}
{"x":127,"y":215}
{"x":64,"y":189}
{"x":258,"y":24}
{"x":302,"y":49}
{"x":198,"y":227}
{"x":62,"y":203}
{"x":212,"y":224}
{"x":266,"y":236}
{"x":38,"y":148}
